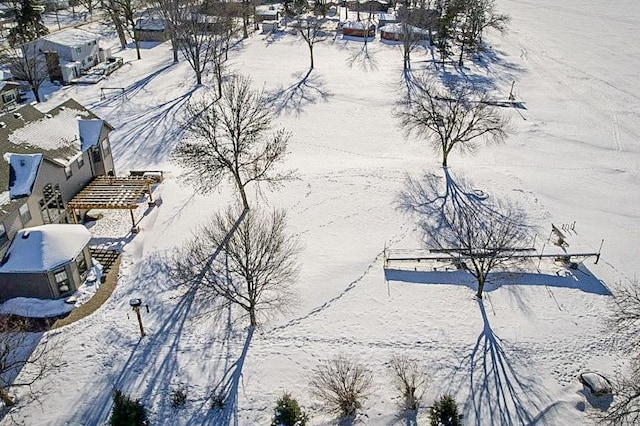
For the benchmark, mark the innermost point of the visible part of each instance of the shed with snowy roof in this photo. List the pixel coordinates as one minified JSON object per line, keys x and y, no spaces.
{"x":359,"y":29}
{"x":151,"y":29}
{"x":45,"y":262}
{"x":398,"y":32}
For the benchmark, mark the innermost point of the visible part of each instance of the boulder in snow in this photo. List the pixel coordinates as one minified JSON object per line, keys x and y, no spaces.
{"x":596,"y":383}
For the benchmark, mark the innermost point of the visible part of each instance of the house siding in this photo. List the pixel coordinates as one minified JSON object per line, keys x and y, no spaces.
{"x":35,"y":285}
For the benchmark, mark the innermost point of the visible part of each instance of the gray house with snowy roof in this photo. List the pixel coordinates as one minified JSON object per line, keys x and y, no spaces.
{"x":49,"y":157}
{"x":46,"y":262}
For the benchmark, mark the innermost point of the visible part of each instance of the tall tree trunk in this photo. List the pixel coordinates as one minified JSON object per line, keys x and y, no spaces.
{"x":121,"y":34}
{"x":481,"y":281}
{"x":137,"y":41}
{"x":36,"y":93}
{"x":252,"y":316}
{"x":174,"y":47}
{"x":311,"y":54}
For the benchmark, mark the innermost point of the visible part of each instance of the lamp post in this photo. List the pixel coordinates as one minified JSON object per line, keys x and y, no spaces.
{"x":136,"y":304}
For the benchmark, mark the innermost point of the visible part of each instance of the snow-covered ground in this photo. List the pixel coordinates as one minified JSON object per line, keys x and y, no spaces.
{"x":512,"y":359}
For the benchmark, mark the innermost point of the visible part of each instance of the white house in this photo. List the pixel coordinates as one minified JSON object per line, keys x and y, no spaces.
{"x":69,"y":52}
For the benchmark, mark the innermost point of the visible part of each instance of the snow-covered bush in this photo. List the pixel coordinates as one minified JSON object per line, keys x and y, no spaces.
{"x":288,"y":412}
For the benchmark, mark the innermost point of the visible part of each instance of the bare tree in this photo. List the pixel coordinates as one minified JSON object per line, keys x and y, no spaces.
{"x":128,"y":11}
{"x":90,"y":5}
{"x":223,"y":29}
{"x":231,"y":140}
{"x":25,"y":358}
{"x":201,"y":31}
{"x":410,"y":380}
{"x":624,"y":320}
{"x":481,"y":234}
{"x":474,"y":18}
{"x":29,"y":66}
{"x":343,"y":384}
{"x":451,"y":119}
{"x":112,"y":9}
{"x":257,"y":266}
{"x":412,"y":33}
{"x":311,"y":30}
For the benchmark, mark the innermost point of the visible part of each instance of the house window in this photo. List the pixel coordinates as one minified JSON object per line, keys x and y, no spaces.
{"x":80,"y":161}
{"x":51,"y":206}
{"x":95,"y":151}
{"x":105,"y":147}
{"x":3,"y":235}
{"x":82,"y":265}
{"x":25,"y":214}
{"x":62,"y":280}
{"x":8,"y":97}
{"x":67,"y":171}
{"x":78,"y":49}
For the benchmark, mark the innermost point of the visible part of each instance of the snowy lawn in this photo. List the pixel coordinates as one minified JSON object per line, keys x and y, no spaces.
{"x":513,"y":358}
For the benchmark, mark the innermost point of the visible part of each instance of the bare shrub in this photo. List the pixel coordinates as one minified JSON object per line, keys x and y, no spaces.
{"x":343,"y":384}
{"x":410,"y":380}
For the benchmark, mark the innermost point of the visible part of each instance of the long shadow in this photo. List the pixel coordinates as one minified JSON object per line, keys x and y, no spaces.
{"x":226,"y":390}
{"x":362,"y":57}
{"x":131,"y":90}
{"x":498,"y":394}
{"x":308,"y":90}
{"x":496,"y":71}
{"x":433,"y":199}
{"x":150,"y":126}
{"x":581,"y":279}
{"x":495,"y":390}
{"x":153,"y":361}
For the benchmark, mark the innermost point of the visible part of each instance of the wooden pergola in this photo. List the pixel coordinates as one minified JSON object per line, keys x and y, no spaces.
{"x":110,"y":192}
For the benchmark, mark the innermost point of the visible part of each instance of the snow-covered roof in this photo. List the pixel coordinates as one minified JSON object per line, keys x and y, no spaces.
{"x":43,"y":248}
{"x":397,"y":29}
{"x":72,"y":37}
{"x":357,"y":25}
{"x":267,"y":9}
{"x":89,"y":131}
{"x":51,"y":133}
{"x":150,"y":24}
{"x":23,"y":170}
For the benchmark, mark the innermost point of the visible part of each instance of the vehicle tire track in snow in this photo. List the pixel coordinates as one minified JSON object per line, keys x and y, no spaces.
{"x":347,"y":289}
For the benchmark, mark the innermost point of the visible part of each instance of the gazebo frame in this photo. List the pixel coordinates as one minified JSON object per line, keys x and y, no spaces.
{"x":110,"y":192}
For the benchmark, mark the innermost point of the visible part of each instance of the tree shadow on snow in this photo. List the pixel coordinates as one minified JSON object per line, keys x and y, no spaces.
{"x":131,"y":90}
{"x":154,"y":365}
{"x":490,"y":71}
{"x":430,"y":199}
{"x":580,"y":278}
{"x":498,"y":394}
{"x":154,"y":132}
{"x":307,"y":90}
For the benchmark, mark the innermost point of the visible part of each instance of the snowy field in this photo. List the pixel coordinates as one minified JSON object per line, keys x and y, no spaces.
{"x":512,"y":359}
